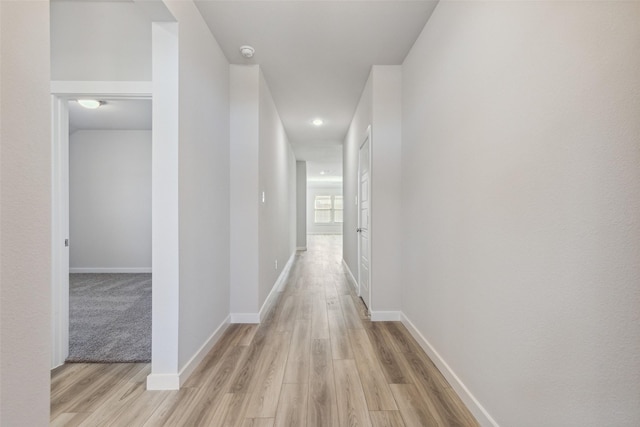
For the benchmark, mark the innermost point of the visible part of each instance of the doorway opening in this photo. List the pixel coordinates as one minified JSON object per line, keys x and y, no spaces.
{"x":324,"y":204}
{"x":101,"y":242}
{"x":110,"y":231}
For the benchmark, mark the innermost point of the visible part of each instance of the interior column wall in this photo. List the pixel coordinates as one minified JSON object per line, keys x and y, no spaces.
{"x":204,"y":174}
{"x":276,"y":210}
{"x":244,"y":191}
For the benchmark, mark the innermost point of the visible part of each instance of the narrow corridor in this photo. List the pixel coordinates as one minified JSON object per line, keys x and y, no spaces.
{"x":316,"y":360}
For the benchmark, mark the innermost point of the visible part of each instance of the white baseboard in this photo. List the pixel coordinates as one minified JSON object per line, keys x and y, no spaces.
{"x":386,"y":316}
{"x":202,"y":352}
{"x":175,"y":381}
{"x":478,"y":411}
{"x":277,"y":288}
{"x":163,"y":382}
{"x":128,"y":270}
{"x":245,"y":318}
{"x":282,"y":278}
{"x":268,"y":302}
{"x":325,"y":233}
{"x":301,"y":248}
{"x":352,"y":279}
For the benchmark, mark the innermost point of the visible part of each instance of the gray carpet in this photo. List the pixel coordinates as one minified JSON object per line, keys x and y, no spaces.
{"x":109,"y":318}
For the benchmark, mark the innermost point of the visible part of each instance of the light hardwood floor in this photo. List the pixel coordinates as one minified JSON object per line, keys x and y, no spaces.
{"x":316,"y":360}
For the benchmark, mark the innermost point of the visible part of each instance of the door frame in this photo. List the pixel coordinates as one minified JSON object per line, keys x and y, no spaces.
{"x":61,"y":93}
{"x":366,"y":138}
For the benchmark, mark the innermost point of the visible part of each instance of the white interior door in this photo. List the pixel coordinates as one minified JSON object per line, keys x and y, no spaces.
{"x":364,"y":223}
{"x":60,"y":232}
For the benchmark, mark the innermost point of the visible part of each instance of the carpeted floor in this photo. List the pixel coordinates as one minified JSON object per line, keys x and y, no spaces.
{"x":109,"y":318}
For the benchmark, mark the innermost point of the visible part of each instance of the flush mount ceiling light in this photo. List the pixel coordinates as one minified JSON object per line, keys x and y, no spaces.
{"x":317,"y":122}
{"x":247,"y":51}
{"x":91,"y":104}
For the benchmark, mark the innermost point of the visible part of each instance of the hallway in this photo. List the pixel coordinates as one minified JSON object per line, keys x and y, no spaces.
{"x":316,"y":360}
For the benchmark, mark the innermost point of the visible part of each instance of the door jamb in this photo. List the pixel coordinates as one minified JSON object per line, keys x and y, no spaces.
{"x":61,"y":93}
{"x":366,"y":138}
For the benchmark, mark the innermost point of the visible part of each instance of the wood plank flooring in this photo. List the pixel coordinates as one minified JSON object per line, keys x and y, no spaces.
{"x":315,"y":361}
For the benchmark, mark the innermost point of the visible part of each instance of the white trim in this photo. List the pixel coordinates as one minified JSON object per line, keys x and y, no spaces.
{"x":175,"y":381}
{"x":352,"y":279}
{"x":478,"y":411}
{"x":245,"y":318}
{"x":282,"y":278}
{"x":111,"y":270}
{"x":59,"y":231}
{"x":326,"y":233}
{"x":367,"y":139}
{"x":102,"y":88}
{"x":61,"y":92}
{"x":163,"y":382}
{"x":197,"y":358}
{"x":277,"y":288}
{"x":301,"y":248}
{"x":386,"y":316}
{"x":271,"y":298}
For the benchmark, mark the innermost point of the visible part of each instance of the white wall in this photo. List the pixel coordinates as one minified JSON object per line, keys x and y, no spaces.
{"x":320,"y":190}
{"x":355,"y":136}
{"x":386,"y":190}
{"x":101,"y":41}
{"x":25,"y":214}
{"x":110,"y":201}
{"x":521,"y":201}
{"x":203,"y":181}
{"x":165,"y":207}
{"x":301,"y":205}
{"x":277,"y":177}
{"x":381,"y":107}
{"x":244,"y":188}
{"x":262,"y":162}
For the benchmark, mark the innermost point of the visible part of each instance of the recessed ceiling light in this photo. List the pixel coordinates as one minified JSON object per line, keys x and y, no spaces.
{"x":322,"y":172}
{"x":317,"y":122}
{"x":91,"y":104}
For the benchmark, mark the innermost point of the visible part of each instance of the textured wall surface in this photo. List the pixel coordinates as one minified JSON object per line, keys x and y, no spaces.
{"x":203,"y":181}
{"x":110,"y":200}
{"x":25,"y":214}
{"x":101,"y":41}
{"x":276,"y":176}
{"x":521,"y":201}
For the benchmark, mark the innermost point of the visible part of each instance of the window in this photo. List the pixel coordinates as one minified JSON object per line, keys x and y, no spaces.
{"x":328,"y":209}
{"x":337,"y":209}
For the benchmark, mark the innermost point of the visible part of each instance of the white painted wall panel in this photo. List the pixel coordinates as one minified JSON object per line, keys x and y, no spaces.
{"x":25,"y":214}
{"x":276,"y":216}
{"x":521,"y":206}
{"x":110,"y":200}
{"x":244,"y":188}
{"x":203,"y":181}
{"x":101,"y":41}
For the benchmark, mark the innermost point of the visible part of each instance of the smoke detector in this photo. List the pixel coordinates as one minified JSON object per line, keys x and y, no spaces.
{"x":247,"y":51}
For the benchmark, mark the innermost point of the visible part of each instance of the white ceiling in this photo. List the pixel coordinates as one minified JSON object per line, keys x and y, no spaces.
{"x":316,"y":56}
{"x":322,"y":173}
{"x":120,"y":114}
